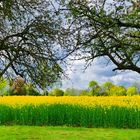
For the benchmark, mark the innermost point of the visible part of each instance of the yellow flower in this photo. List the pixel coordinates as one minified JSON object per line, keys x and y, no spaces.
{"x":122,"y":101}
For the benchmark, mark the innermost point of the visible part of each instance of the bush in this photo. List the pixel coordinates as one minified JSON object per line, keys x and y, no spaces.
{"x":56,"y":92}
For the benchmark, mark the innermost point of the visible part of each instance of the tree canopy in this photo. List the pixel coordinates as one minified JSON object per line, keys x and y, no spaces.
{"x":37,"y":35}
{"x":109,"y":29}
{"x":30,"y":41}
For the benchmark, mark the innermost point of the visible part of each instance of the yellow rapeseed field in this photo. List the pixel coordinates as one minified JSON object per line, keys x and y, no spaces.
{"x":85,"y":111}
{"x":123,"y":101}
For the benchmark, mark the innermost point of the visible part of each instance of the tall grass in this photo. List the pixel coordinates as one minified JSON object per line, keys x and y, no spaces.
{"x":66,"y":113}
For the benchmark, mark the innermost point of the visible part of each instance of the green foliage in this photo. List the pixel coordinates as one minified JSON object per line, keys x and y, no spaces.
{"x":3,"y":85}
{"x":29,"y":41}
{"x":30,"y":90}
{"x":70,"y":115}
{"x":56,"y":92}
{"x":131,"y":91}
{"x":21,"y":132}
{"x":105,"y":88}
{"x":97,"y":38}
{"x":95,"y":91}
{"x":27,"y":89}
{"x":117,"y":91}
{"x":94,"y":88}
{"x":93,"y":84}
{"x":6,"y":8}
{"x":137,"y":86}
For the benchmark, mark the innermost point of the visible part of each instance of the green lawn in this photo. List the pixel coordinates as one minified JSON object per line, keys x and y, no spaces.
{"x":66,"y":133}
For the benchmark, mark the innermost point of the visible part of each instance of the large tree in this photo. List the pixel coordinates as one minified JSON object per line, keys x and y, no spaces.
{"x":31,"y":40}
{"x":36,"y":35}
{"x":106,"y":28}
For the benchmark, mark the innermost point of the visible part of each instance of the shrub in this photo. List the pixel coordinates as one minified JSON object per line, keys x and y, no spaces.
{"x":56,"y":92}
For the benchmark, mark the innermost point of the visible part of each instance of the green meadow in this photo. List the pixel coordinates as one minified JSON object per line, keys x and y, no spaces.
{"x":66,"y":133}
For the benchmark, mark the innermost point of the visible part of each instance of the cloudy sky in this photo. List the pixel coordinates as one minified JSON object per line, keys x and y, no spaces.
{"x":98,"y":71}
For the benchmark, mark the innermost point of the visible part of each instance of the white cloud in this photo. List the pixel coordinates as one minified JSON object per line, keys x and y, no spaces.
{"x":99,"y":72}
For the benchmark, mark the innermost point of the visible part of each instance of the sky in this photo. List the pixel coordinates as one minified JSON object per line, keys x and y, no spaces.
{"x":98,"y":71}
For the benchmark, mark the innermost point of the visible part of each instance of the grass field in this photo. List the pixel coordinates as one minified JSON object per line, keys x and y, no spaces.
{"x":66,"y":133}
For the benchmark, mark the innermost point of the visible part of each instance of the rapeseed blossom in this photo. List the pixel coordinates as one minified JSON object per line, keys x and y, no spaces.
{"x":122,"y":101}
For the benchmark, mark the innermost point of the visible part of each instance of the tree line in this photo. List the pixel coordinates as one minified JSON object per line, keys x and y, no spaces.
{"x":94,"y":89}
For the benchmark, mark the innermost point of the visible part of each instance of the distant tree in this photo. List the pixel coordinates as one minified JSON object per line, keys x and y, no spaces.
{"x":93,"y":84}
{"x":94,"y":88}
{"x":117,"y":91}
{"x":45,"y":93}
{"x":56,"y":92}
{"x":3,"y":85}
{"x":72,"y":92}
{"x":137,"y":86}
{"x":84,"y":93}
{"x":106,"y":87}
{"x":131,"y":91}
